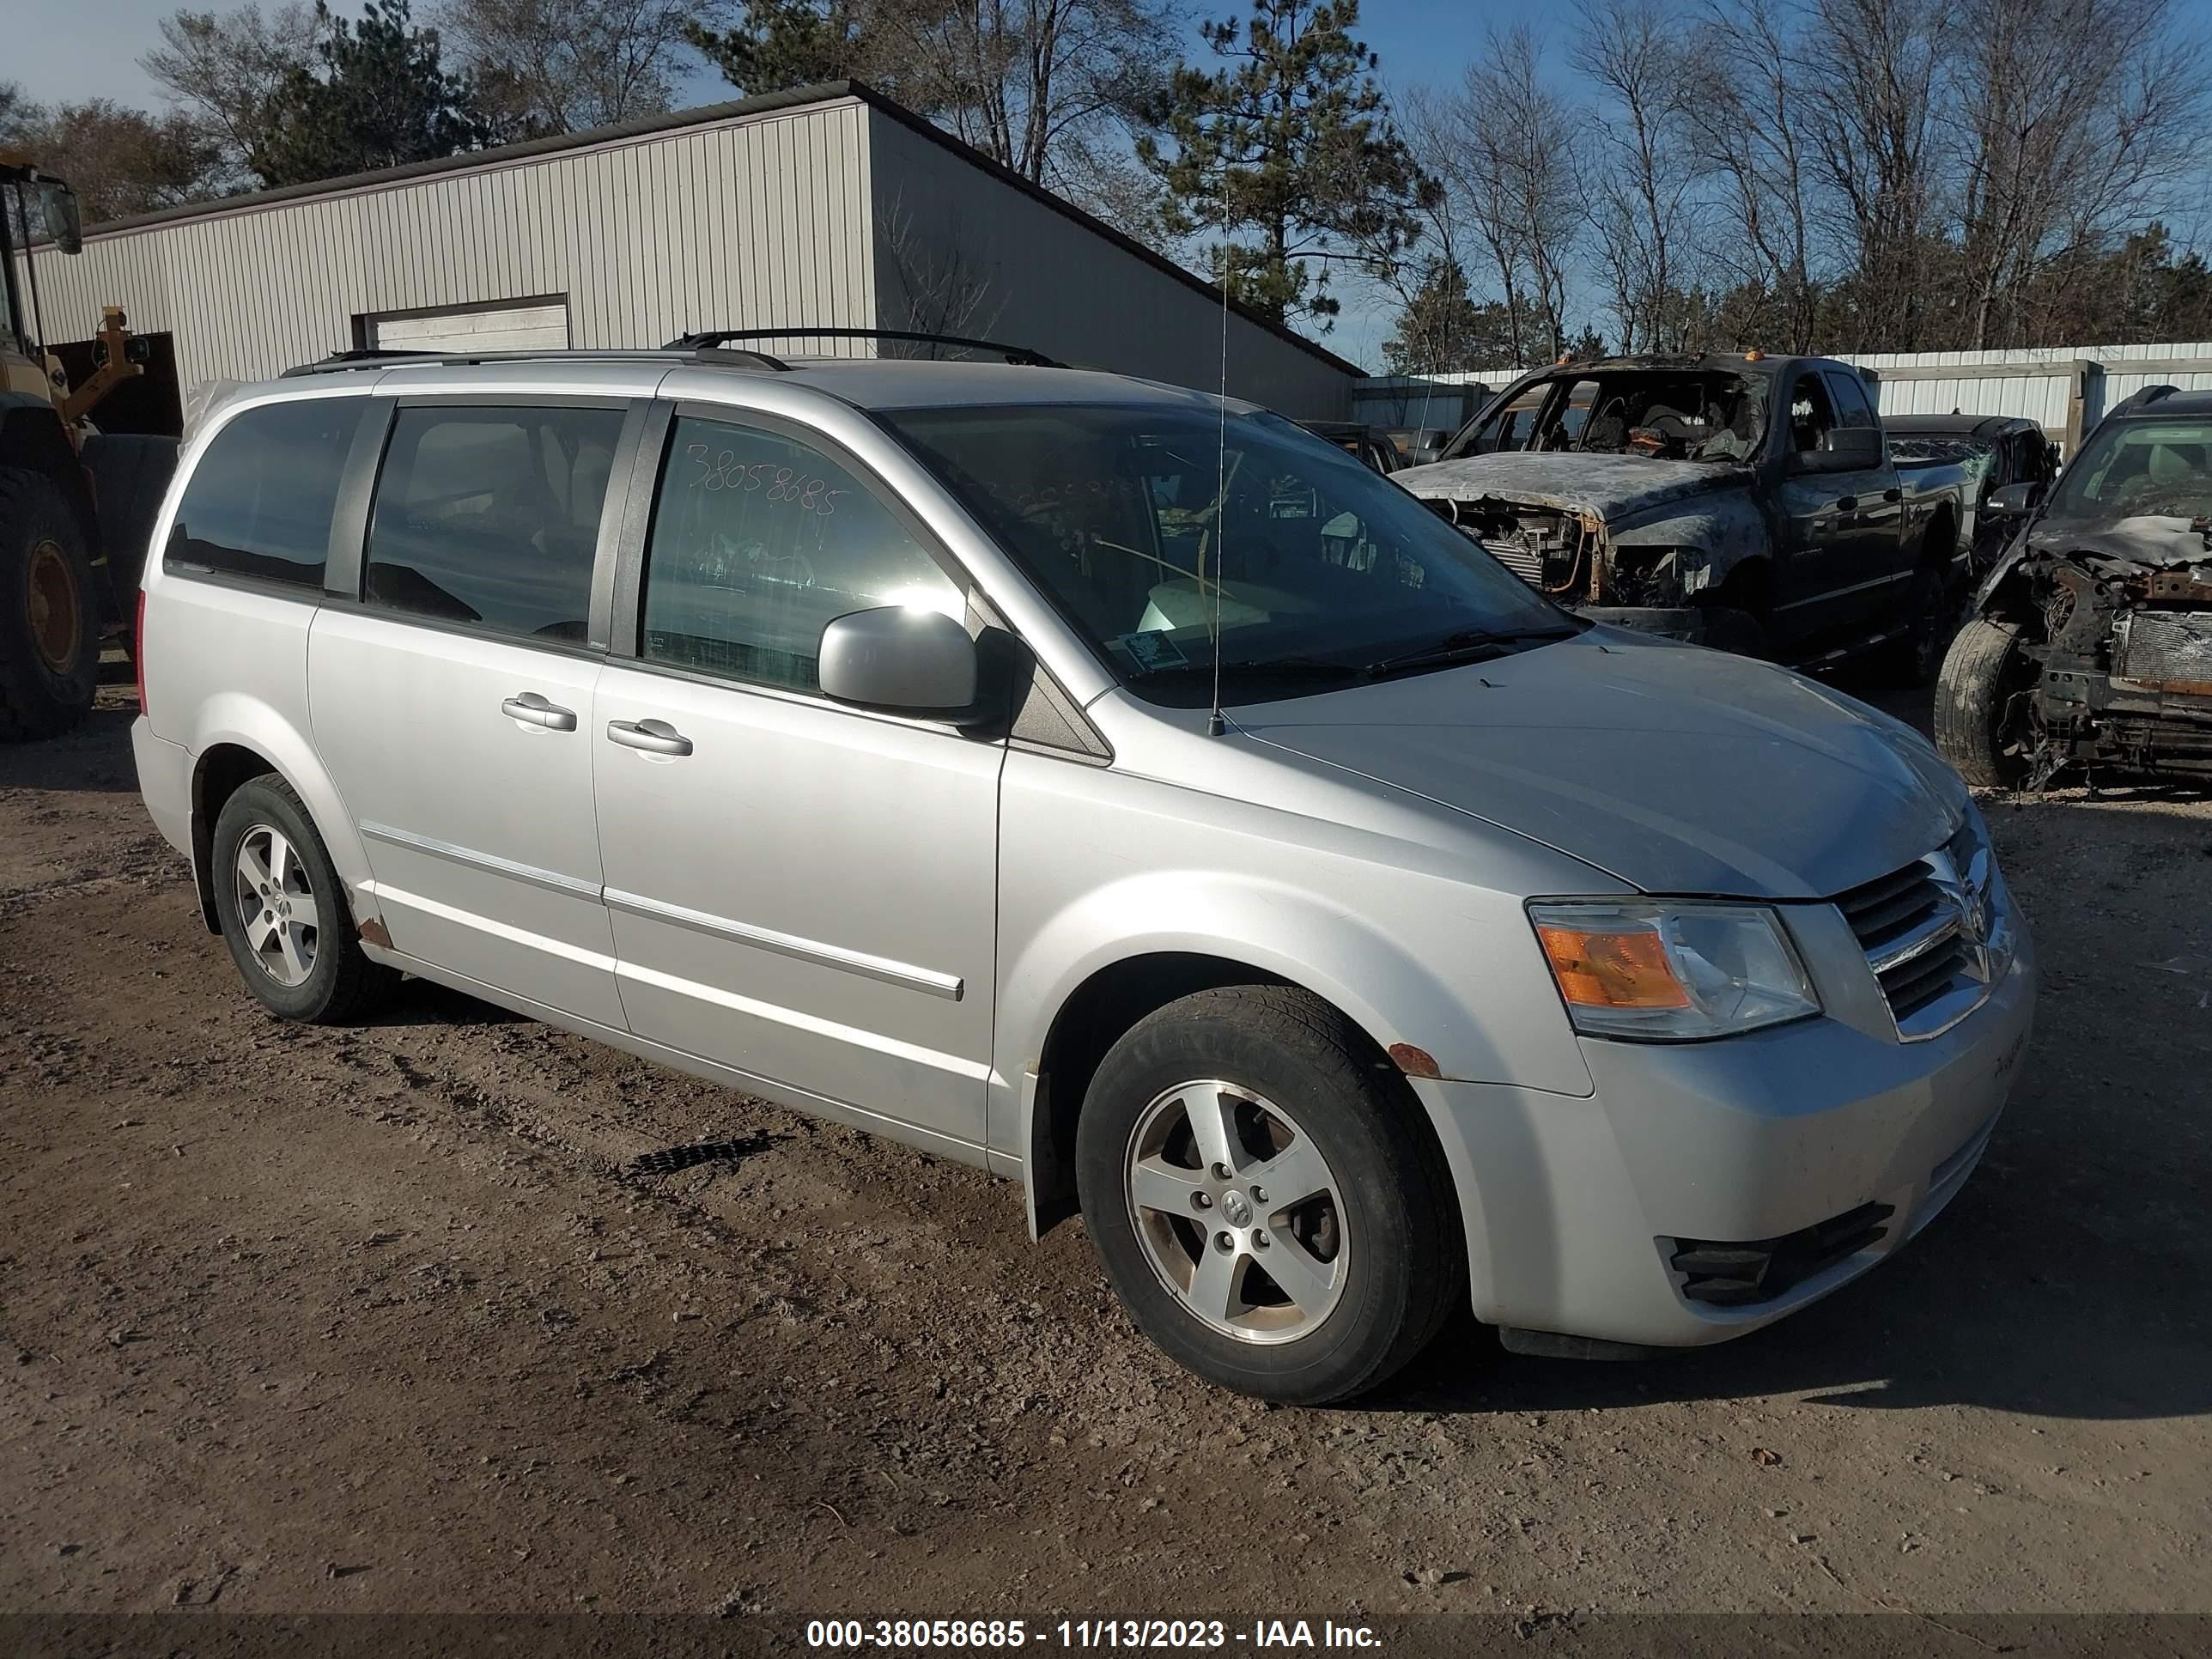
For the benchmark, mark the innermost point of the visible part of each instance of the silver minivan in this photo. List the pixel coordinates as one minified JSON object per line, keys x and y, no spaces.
{"x":1106,"y":785}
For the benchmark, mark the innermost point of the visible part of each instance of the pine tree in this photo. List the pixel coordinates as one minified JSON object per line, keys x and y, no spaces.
{"x":1286,"y":151}
{"x":381,"y":99}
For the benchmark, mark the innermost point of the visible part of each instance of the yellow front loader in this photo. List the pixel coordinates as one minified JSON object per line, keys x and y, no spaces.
{"x":74,"y":504}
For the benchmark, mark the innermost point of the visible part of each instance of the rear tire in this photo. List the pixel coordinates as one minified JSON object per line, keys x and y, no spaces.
{"x":49,"y":610}
{"x":1329,"y":1284}
{"x":284,"y":914}
{"x":1983,"y":724}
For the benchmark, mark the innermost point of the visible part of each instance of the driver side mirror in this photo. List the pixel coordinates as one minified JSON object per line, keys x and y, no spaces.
{"x":58,"y":206}
{"x":900,"y":661}
{"x":2012,"y":500}
{"x":1842,"y":449}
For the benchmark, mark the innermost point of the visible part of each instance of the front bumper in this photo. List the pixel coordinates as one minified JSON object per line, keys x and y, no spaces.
{"x":1576,"y":1207}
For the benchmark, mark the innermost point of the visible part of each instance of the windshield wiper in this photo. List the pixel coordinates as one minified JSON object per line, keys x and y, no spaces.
{"x":1467,"y":646}
{"x":1249,"y":667}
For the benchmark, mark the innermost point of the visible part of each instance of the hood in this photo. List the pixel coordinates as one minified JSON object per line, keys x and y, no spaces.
{"x":1611,"y":486}
{"x":1675,"y":769}
{"x":2144,"y":540}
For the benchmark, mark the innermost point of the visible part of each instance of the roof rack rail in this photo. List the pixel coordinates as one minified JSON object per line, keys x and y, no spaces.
{"x":714,"y":338}
{"x":378,"y":357}
{"x":359,"y":357}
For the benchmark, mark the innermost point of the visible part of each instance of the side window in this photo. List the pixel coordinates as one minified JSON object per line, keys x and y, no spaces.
{"x":1811,"y":417}
{"x":759,"y":542}
{"x":1514,"y":425}
{"x":492,"y":516}
{"x":260,"y":502}
{"x":1849,"y":392}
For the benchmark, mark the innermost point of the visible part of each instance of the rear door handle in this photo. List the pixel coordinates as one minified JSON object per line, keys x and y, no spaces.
{"x":655,"y":737}
{"x":532,"y":708}
{"x":1893,"y":495}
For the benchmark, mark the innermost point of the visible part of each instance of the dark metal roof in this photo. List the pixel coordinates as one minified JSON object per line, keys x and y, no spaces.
{"x":708,"y":115}
{"x":1959,"y":426}
{"x":2163,"y":400}
{"x":1728,"y":362}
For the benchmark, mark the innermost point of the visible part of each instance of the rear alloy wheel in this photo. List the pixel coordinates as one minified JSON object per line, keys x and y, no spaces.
{"x":284,"y":913}
{"x":49,"y":616}
{"x":1267,"y":1197}
{"x":1985,"y":706}
{"x":277,"y":906}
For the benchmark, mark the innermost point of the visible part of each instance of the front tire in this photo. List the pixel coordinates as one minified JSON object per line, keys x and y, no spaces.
{"x":1266,"y":1197}
{"x":1737,"y":632}
{"x":1983,"y":725}
{"x":284,"y":914}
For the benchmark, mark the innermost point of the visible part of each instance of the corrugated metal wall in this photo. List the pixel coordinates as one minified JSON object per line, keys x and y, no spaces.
{"x":749,"y":222}
{"x":1054,"y":284}
{"x":2040,"y":385}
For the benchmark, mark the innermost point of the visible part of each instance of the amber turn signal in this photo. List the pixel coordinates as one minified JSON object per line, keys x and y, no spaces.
{"x":1613,"y":970}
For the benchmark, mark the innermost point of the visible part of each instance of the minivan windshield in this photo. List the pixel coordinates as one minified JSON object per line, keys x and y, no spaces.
{"x":1151,"y":527}
{"x":2140,"y":469}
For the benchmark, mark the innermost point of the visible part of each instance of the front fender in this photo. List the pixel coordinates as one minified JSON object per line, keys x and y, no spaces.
{"x":1709,"y":536}
{"x":1486,"y":1009}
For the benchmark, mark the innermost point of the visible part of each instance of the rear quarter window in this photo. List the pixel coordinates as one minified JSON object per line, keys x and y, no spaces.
{"x":260,"y":502}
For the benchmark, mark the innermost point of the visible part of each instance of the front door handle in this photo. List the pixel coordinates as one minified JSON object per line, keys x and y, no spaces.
{"x":531,"y":708}
{"x":655,"y":737}
{"x":1847,"y":504}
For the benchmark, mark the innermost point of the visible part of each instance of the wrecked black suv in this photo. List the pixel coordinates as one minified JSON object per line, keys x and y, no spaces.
{"x":2091,"y":648}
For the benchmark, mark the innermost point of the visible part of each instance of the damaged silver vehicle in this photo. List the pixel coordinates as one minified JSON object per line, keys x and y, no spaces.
{"x":1741,"y":501}
{"x":2091,"y":647}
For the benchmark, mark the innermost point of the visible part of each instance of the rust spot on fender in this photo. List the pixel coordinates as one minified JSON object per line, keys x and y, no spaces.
{"x":1414,"y":1062}
{"x":372,"y":933}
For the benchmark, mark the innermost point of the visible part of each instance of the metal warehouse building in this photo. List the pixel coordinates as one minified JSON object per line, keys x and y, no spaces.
{"x":830,"y":206}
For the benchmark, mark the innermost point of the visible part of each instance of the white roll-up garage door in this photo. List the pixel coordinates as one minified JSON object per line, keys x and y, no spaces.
{"x":543,"y":327}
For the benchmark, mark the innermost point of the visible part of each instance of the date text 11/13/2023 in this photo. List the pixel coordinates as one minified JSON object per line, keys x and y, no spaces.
{"x":984,"y":1635}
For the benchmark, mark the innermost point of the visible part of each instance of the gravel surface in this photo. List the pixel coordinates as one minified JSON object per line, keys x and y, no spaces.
{"x":413,"y":1317}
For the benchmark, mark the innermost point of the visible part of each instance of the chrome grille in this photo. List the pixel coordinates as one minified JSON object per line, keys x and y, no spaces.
{"x":1932,"y":934}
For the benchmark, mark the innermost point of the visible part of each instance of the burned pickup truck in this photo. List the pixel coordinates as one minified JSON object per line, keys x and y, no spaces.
{"x":1745,"y":502}
{"x":2091,"y":647}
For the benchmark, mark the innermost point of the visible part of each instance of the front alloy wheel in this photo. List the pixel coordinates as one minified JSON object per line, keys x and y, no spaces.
{"x":1267,"y":1197}
{"x":1239,"y":1214}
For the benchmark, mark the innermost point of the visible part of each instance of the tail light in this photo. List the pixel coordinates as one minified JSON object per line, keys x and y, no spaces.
{"x":138,"y":652}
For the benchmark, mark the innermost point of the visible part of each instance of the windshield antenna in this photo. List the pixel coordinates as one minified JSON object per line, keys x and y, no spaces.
{"x":1215,"y":726}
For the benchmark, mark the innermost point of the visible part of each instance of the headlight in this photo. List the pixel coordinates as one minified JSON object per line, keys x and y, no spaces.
{"x":1672,"y":972}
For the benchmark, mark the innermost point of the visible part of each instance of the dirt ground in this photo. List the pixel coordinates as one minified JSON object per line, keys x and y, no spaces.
{"x":390,"y":1320}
